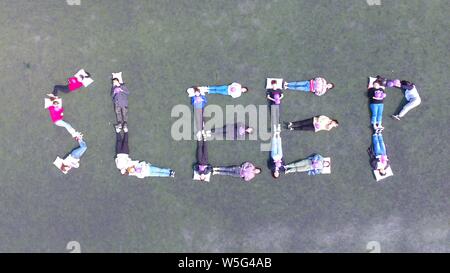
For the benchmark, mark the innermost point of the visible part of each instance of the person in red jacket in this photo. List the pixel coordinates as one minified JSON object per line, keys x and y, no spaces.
{"x":73,"y":84}
{"x":57,"y":115}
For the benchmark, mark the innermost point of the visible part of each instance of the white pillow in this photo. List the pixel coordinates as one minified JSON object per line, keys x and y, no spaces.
{"x":380,"y":177}
{"x":326,"y":170}
{"x":85,"y":81}
{"x":197,"y":177}
{"x":371,"y":81}
{"x":278,"y":85}
{"x":48,"y":102}
{"x":58,"y":163}
{"x":118,"y":76}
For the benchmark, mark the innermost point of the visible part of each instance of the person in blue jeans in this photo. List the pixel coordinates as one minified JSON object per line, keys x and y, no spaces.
{"x":276,"y":153}
{"x":73,"y":159}
{"x":143,"y":169}
{"x":376,"y":96}
{"x":234,"y":90}
{"x":199,"y":102}
{"x":378,"y":156}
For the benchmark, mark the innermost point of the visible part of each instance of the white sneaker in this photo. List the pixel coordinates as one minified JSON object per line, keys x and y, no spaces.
{"x":395,"y":117}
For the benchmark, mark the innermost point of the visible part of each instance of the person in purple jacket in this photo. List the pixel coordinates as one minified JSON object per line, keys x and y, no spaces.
{"x":119,"y":93}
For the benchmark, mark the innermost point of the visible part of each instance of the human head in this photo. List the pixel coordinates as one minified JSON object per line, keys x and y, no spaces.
{"x":249,"y":130}
{"x":380,"y":80}
{"x":330,"y":86}
{"x":276,"y":174}
{"x":64,"y":168}
{"x":196,"y":91}
{"x":115,"y":82}
{"x":406,"y":85}
{"x":326,"y":163}
{"x":334,"y":123}
{"x":244,"y":89}
{"x":202,"y":177}
{"x":55,"y":103}
{"x":257,"y":170}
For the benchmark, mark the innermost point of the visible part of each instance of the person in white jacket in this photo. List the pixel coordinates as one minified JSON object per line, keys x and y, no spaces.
{"x":411,"y":95}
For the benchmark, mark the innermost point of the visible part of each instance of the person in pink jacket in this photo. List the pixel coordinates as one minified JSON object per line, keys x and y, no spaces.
{"x":56,"y":112}
{"x":73,"y":84}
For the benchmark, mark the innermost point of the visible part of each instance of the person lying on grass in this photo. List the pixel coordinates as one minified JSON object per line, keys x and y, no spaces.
{"x":315,"y":124}
{"x":203,"y":168}
{"x":73,"y":159}
{"x":56,"y":112}
{"x":119,"y":94}
{"x":234,"y":90}
{"x":411,"y":95}
{"x":376,"y":96}
{"x":236,"y":131}
{"x":74,"y":83}
{"x":143,"y":169}
{"x":319,"y":86}
{"x":379,"y":160}
{"x":276,"y":153}
{"x":247,"y":171}
{"x":313,"y":165}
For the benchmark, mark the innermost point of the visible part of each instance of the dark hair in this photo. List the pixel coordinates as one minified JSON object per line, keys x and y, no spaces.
{"x":332,"y":85}
{"x":246,"y":88}
{"x":273,"y":82}
{"x":115,"y":79}
{"x":407,"y":84}
{"x":382,"y":81}
{"x":335,"y":120}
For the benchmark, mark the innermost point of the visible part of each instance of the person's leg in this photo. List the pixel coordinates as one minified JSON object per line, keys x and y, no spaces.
{"x":118,"y":111}
{"x":299,"y":166}
{"x":373,"y":110}
{"x":62,"y":88}
{"x":218,"y":133}
{"x":380,"y":113}
{"x":408,"y":107}
{"x":299,"y":86}
{"x":118,"y":143}
{"x":382,"y":147}
{"x":159,"y":172}
{"x":78,"y":152}
{"x":202,"y":153}
{"x":302,"y":123}
{"x":218,"y":89}
{"x":198,"y":119}
{"x":223,"y":171}
{"x":307,"y":127}
{"x":275,"y":114}
{"x":69,"y":128}
{"x":276,"y":151}
{"x":377,"y":149}
{"x":125,"y":114}
{"x":125,"y":149}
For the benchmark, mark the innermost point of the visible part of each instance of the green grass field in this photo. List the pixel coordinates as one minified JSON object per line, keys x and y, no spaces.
{"x":164,"y":47}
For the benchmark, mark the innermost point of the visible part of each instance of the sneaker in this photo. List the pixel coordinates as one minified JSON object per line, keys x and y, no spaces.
{"x":395,"y":117}
{"x":118,"y":127}
{"x":78,"y":136}
{"x":199,"y":136}
{"x":125,"y":127}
